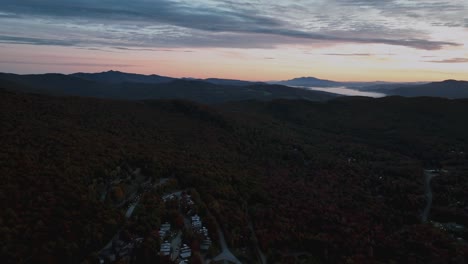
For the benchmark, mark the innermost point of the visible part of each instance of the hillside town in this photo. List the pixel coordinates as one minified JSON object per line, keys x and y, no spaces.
{"x":182,"y":236}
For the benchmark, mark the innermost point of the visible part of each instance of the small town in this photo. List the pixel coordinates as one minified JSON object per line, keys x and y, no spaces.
{"x":183,"y":237}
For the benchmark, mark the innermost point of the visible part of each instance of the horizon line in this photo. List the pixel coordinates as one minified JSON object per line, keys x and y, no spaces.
{"x":233,"y":79}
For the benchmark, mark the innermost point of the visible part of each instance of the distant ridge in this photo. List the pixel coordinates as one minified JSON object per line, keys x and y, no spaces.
{"x":232,"y":82}
{"x":132,"y":86}
{"x":128,"y":86}
{"x":115,"y":77}
{"x":449,"y":89}
{"x":120,"y":77}
{"x":310,"y":82}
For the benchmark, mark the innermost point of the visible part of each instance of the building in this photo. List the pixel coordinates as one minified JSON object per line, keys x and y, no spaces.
{"x":185,"y":252}
{"x":204,"y":231}
{"x":206,"y":244}
{"x":164,"y":230}
{"x":165,"y":248}
{"x":196,"y":222}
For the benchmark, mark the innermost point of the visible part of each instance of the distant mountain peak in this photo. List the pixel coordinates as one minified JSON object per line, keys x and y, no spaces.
{"x":451,"y":81}
{"x":310,"y":82}
{"x":117,"y":72}
{"x":113,"y":76}
{"x":308,"y":78}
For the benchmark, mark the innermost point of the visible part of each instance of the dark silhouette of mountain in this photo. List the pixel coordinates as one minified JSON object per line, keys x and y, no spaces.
{"x":379,"y":86}
{"x":448,"y":89}
{"x":115,"y":77}
{"x":54,"y":84}
{"x":10,"y":85}
{"x":201,"y":91}
{"x":231,"y":82}
{"x":120,"y":77}
{"x":194,"y":90}
{"x":310,"y":82}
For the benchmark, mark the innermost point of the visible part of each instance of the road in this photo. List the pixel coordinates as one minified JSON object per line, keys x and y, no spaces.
{"x":260,"y":254}
{"x":175,"y":244}
{"x":225,"y":254}
{"x":428,"y":192}
{"x":130,"y":209}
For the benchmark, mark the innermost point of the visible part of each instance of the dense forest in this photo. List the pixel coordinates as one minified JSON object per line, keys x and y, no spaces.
{"x":340,"y":181}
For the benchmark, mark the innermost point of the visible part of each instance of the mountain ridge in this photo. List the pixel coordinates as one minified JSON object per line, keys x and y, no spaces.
{"x":126,"y":88}
{"x":118,"y":77}
{"x":309,"y":82}
{"x":453,"y":89}
{"x":132,"y":86}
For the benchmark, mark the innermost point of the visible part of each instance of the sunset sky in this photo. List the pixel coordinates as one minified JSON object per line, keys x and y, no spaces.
{"x":342,"y":40}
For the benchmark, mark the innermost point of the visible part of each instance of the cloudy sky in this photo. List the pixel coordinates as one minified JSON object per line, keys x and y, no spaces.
{"x":344,"y":40}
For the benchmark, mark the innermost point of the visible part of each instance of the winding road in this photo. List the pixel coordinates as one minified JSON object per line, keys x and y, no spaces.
{"x":130,"y":209}
{"x":429,"y":174}
{"x":225,"y":254}
{"x":260,"y":254}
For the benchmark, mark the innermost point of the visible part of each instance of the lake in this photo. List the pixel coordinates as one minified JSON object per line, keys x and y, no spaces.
{"x":347,"y":91}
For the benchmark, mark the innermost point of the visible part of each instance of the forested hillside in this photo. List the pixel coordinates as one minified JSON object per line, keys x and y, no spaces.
{"x":447,"y":89}
{"x":331,"y":182}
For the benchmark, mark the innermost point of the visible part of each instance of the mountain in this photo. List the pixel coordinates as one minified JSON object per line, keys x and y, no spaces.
{"x":121,"y":77}
{"x":115,"y":77}
{"x":205,"y":92}
{"x":231,"y":82}
{"x":103,"y":86}
{"x":447,"y":89}
{"x":310,"y":82}
{"x":379,"y":86}
{"x":54,"y":84}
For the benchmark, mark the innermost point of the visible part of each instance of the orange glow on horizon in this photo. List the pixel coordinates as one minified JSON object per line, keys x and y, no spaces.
{"x":356,"y":63}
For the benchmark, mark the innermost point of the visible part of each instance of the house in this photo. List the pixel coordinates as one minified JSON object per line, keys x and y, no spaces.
{"x":206,"y":244}
{"x":185,"y":252}
{"x":166,"y":226}
{"x":165,"y":248}
{"x":164,"y":230}
{"x":196,"y":222}
{"x":204,"y":231}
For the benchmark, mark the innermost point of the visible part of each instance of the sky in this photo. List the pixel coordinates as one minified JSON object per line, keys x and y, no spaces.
{"x":262,"y":40}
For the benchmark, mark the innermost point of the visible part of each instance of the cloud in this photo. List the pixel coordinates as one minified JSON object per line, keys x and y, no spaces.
{"x":67,"y":63}
{"x":348,"y":54}
{"x":413,"y":8}
{"x":206,"y":23}
{"x":35,"y":41}
{"x":133,"y":49}
{"x":138,"y":11}
{"x":358,"y":54}
{"x":452,"y":60}
{"x":7,"y":15}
